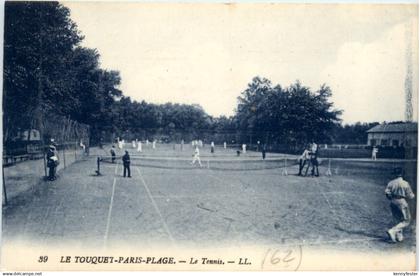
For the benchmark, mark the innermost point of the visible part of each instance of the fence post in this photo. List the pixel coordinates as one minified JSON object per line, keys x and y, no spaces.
{"x":45,"y":162}
{"x":64,"y":155}
{"x":4,"y":186}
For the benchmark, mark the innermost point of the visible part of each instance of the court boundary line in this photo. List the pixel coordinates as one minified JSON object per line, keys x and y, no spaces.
{"x":108,"y":221}
{"x":227,"y":195}
{"x":156,"y":207}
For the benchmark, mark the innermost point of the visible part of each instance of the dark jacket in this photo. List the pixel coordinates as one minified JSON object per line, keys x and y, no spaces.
{"x":50,"y":161}
{"x":126,"y":158}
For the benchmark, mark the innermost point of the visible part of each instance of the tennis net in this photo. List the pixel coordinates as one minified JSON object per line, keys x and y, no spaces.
{"x":228,"y":164}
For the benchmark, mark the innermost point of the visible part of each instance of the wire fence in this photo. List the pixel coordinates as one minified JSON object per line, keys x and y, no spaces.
{"x":24,"y":155}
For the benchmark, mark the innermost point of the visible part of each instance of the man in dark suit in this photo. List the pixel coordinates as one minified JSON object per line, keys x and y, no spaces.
{"x":126,"y":164}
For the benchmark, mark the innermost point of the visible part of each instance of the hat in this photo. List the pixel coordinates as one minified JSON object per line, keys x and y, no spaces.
{"x":397,"y":172}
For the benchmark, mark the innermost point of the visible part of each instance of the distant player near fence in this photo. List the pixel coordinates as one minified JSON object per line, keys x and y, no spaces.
{"x":113,"y":155}
{"x":263,"y":152}
{"x":374,"y":153}
{"x":82,"y":146}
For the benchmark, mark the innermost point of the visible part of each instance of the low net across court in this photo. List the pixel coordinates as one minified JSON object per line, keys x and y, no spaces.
{"x":216,"y":163}
{"x":286,"y":165}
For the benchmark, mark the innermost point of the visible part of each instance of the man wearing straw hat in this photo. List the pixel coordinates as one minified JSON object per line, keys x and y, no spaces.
{"x":398,"y":191}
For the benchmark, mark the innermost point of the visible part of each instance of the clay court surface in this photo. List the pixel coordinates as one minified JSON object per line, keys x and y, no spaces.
{"x":192,"y":206}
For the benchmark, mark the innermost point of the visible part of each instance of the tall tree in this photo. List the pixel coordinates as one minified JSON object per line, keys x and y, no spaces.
{"x":39,"y":37}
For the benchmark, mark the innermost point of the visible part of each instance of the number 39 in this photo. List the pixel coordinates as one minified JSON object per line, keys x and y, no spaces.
{"x":43,"y":259}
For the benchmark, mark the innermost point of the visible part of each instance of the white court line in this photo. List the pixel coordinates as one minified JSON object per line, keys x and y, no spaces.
{"x":108,"y":221}
{"x":230,"y":195}
{"x":156,"y":207}
{"x":326,"y":199}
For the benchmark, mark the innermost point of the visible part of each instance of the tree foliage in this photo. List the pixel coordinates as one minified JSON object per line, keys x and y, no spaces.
{"x":293,"y":115}
{"x":47,"y":72}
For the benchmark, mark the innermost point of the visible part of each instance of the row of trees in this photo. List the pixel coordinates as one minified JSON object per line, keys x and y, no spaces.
{"x":268,"y":113}
{"x":47,"y":72}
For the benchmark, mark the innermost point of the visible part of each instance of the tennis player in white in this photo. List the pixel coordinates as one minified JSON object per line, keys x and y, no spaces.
{"x":196,"y":156}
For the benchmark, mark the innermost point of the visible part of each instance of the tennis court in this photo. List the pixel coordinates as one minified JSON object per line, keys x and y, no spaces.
{"x":232,"y":200}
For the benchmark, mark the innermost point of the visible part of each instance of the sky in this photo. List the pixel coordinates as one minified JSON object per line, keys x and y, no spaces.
{"x":207,"y":53}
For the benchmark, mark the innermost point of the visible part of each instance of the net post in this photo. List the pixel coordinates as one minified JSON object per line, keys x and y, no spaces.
{"x":4,"y":186}
{"x":64,"y":155}
{"x":208,"y":164}
{"x":45,"y":160}
{"x":328,"y":173}
{"x":98,"y":162}
{"x":284,"y":171}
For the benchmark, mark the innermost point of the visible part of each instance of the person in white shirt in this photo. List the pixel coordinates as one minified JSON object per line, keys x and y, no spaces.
{"x":196,"y":156}
{"x":314,"y":147}
{"x":398,"y":191}
{"x":82,"y":145}
{"x":139,"y":146}
{"x":374,"y":152}
{"x":212,"y":147}
{"x":303,"y":159}
{"x":243,"y":148}
{"x":133,"y":143}
{"x":224,"y":145}
{"x":154,"y":144}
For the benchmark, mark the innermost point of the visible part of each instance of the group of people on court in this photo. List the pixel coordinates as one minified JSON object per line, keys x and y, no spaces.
{"x":125,"y":160}
{"x":136,"y":144}
{"x":309,"y":158}
{"x":398,"y":191}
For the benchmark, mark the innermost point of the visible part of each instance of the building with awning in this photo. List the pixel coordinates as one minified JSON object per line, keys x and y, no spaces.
{"x":393,"y":135}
